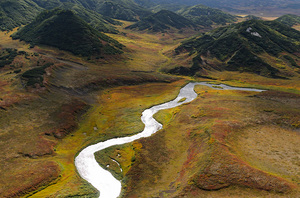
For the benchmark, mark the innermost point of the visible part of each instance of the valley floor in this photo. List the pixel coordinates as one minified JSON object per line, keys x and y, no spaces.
{"x":225,"y":143}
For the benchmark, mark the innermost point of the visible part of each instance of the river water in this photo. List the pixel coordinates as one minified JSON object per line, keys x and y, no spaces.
{"x":103,"y":180}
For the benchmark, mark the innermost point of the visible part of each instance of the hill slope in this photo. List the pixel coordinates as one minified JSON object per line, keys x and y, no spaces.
{"x":118,"y":9}
{"x":66,"y":31}
{"x":162,"y":21}
{"x":15,"y":13}
{"x":94,"y":19}
{"x":206,"y":16}
{"x":121,"y":9}
{"x":289,"y":19}
{"x":242,"y":47}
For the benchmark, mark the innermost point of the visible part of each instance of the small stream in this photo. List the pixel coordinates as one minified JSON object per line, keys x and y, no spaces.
{"x":103,"y":180}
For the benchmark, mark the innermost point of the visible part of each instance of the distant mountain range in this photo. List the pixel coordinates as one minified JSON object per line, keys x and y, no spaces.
{"x":240,"y":47}
{"x":241,"y":6}
{"x":162,"y":21}
{"x":118,"y":9}
{"x":219,"y":3}
{"x":16,"y":13}
{"x":95,"y":12}
{"x":99,"y":13}
{"x":194,"y":17}
{"x":94,"y":19}
{"x":206,"y":16}
{"x":66,"y":31}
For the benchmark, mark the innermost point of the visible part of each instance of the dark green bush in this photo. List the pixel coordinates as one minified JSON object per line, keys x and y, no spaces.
{"x":35,"y":76}
{"x":291,"y":60}
{"x":7,"y":56}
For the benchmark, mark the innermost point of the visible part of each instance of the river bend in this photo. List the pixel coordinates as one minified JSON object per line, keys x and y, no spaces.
{"x":103,"y":180}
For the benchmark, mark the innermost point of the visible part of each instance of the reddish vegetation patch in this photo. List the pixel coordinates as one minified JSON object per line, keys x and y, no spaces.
{"x":68,"y":118}
{"x":8,"y":97}
{"x":229,"y":170}
{"x":41,"y":148}
{"x":2,"y":83}
{"x":192,"y":155}
{"x":38,"y":174}
{"x":152,"y":167}
{"x":208,"y":160}
{"x":278,"y":94}
{"x":226,"y":169}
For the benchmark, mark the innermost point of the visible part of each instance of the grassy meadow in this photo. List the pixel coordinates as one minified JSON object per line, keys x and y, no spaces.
{"x":202,"y":148}
{"x":222,"y":144}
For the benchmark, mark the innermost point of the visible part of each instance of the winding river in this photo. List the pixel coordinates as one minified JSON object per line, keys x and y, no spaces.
{"x":103,"y":180}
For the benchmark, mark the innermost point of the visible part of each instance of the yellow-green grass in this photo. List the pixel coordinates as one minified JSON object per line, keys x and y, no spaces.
{"x":166,"y":143}
{"x":25,"y":117}
{"x":248,"y":112}
{"x":171,"y":158}
{"x":26,"y":147}
{"x":161,"y":165}
{"x":297,"y":27}
{"x":271,"y":148}
{"x":170,"y":161}
{"x":116,"y":113}
{"x":252,"y":80}
{"x":147,"y":51}
{"x":32,"y":116}
{"x":7,"y":42}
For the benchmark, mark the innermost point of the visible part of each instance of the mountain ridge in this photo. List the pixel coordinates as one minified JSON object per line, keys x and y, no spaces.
{"x":239,"y":46}
{"x":66,"y":31}
{"x":16,"y":13}
{"x":93,"y":18}
{"x":206,"y":16}
{"x":289,"y":19}
{"x":257,"y":7}
{"x":163,"y":20}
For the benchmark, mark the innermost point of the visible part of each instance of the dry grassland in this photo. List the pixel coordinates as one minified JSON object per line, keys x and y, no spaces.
{"x":223,"y":144}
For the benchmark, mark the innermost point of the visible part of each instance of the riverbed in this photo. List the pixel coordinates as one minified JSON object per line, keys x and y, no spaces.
{"x":103,"y":180}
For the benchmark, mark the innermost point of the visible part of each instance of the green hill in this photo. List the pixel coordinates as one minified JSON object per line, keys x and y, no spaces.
{"x":14,"y":13}
{"x":97,"y":13}
{"x":289,"y":19}
{"x":122,"y":9}
{"x":94,"y":19}
{"x":118,"y":9}
{"x":206,"y":16}
{"x":162,"y":21}
{"x":48,"y":4}
{"x":66,"y":31}
{"x":239,"y":47}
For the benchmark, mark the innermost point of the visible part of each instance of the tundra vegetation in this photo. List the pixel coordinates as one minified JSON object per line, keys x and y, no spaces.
{"x":56,"y":99}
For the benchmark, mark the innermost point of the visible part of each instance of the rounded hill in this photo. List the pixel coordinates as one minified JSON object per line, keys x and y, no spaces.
{"x":66,"y":31}
{"x":206,"y":16}
{"x":248,"y":46}
{"x":162,"y":21}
